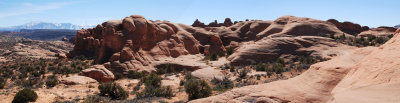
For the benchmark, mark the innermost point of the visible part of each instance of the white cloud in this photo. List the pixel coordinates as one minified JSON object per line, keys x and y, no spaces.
{"x":29,"y":8}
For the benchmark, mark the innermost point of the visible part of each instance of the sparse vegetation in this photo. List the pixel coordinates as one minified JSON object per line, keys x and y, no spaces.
{"x":51,"y":81}
{"x":213,"y":56}
{"x":196,"y":88}
{"x":135,"y":75}
{"x":229,"y":51}
{"x":2,"y":82}
{"x":153,"y":88}
{"x":223,"y":85}
{"x":362,"y":41}
{"x":25,"y":96}
{"x":113,"y":90}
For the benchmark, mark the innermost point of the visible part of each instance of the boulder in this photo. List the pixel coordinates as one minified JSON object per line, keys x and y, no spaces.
{"x":74,"y":80}
{"x":208,"y":74}
{"x":99,"y":73}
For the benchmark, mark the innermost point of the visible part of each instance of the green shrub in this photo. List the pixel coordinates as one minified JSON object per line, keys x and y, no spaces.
{"x":52,"y":81}
{"x":223,"y":85}
{"x":213,"y":56}
{"x":197,"y":89}
{"x":380,"y":40}
{"x":332,"y":36}
{"x":243,"y":73}
{"x":221,"y":54}
{"x":229,"y":51}
{"x":113,"y":90}
{"x":390,"y":36}
{"x":153,"y":88}
{"x":28,"y":83}
{"x":280,"y":61}
{"x":135,"y":75}
{"x":152,"y":80}
{"x":2,"y":83}
{"x":118,"y":75}
{"x":25,"y":96}
{"x":156,"y":92}
{"x":370,"y":38}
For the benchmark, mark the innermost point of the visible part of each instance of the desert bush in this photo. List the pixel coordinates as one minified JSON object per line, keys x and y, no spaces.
{"x":243,"y":73}
{"x":156,"y":92}
{"x":153,"y":88}
{"x":118,"y":75}
{"x":213,"y":56}
{"x":280,"y":61}
{"x":332,"y":36}
{"x":2,"y":82}
{"x":229,"y":51}
{"x":390,"y":36}
{"x":25,"y":96}
{"x":30,"y":82}
{"x":371,"y":38}
{"x":113,"y":90}
{"x":51,"y":81}
{"x":380,"y":40}
{"x":95,"y":99}
{"x":135,"y":75}
{"x":197,"y":89}
{"x":223,"y":85}
{"x":152,"y":80}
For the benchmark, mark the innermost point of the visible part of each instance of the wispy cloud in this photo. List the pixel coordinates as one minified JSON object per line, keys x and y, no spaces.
{"x":30,"y":8}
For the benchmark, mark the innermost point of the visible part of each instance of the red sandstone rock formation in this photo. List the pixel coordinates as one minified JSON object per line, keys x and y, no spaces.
{"x":349,"y":27}
{"x":135,"y":42}
{"x":382,"y":31}
{"x":226,"y":23}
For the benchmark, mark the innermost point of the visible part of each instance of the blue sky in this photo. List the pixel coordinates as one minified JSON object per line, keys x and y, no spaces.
{"x":365,"y":12}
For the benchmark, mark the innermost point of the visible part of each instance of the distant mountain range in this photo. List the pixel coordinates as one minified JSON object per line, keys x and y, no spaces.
{"x":45,"y":25}
{"x":397,"y":26}
{"x":42,"y":34}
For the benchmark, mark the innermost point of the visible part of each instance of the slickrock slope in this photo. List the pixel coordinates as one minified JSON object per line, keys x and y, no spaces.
{"x":270,"y":49}
{"x":364,"y":75}
{"x":283,"y":37}
{"x":284,"y":26}
{"x":378,"y":32}
{"x":376,"y":78}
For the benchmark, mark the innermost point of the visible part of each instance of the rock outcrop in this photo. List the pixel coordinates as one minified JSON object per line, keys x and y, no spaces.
{"x":378,"y":32}
{"x":135,"y":42}
{"x":270,"y":49}
{"x":349,"y":27}
{"x":99,"y":73}
{"x":77,"y":80}
{"x":364,"y":75}
{"x":283,"y":37}
{"x":226,"y":23}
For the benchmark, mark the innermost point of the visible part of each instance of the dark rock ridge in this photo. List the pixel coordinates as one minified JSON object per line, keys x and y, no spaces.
{"x":226,"y":23}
